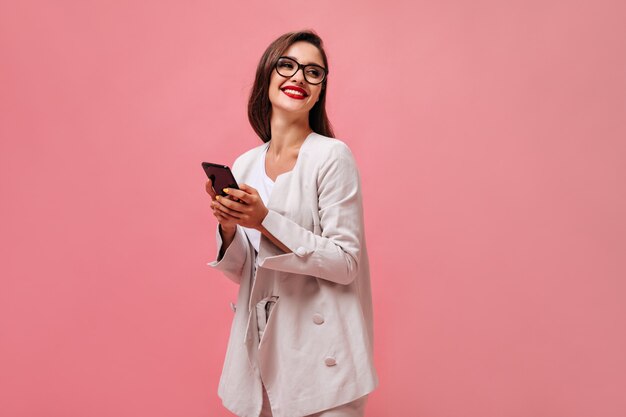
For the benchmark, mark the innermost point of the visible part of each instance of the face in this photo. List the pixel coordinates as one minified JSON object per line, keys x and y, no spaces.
{"x":305,"y":53}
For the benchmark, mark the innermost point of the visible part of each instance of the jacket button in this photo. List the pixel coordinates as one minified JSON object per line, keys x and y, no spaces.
{"x":233,"y":307}
{"x":330,"y":361}
{"x":300,"y":251}
{"x":318,"y":318}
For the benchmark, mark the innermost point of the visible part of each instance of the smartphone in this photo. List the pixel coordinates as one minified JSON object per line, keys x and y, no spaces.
{"x":221,"y":177}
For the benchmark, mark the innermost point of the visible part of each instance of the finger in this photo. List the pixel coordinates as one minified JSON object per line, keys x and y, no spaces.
{"x":248,"y":189}
{"x":241,"y":195}
{"x":209,"y":189}
{"x":223,"y":218}
{"x":223,"y":215}
{"x":222,"y":208}
{"x":232,"y":204}
{"x":218,"y":214}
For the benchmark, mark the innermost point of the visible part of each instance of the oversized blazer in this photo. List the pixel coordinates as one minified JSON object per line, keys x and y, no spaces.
{"x":316,"y":350}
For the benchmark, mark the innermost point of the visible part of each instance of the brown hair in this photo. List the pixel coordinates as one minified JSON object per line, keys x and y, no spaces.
{"x":259,"y":105}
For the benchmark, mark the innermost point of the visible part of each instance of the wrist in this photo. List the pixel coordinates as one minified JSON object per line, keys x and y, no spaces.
{"x":228,"y":229}
{"x":260,"y":227}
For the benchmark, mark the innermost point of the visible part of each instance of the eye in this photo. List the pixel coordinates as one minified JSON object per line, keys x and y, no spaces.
{"x":285,"y":64}
{"x":314,"y":72}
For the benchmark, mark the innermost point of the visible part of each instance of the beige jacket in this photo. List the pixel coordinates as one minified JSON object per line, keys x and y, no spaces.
{"x":316,"y":350}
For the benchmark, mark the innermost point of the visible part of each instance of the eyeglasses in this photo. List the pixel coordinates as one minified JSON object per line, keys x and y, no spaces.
{"x":313,"y":74}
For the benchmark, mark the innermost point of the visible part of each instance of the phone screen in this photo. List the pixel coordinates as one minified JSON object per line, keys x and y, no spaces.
{"x":221,"y":177}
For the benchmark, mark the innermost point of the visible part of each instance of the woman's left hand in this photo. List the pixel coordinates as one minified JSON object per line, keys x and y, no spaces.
{"x":249,"y":211}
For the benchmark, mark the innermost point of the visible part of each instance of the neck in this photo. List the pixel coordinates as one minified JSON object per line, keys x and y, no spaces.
{"x":288,"y":134}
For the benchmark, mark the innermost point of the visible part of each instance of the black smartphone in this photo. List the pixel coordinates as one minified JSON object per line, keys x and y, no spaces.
{"x":221,"y":176}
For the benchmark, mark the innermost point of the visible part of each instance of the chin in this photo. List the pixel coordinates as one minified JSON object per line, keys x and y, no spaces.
{"x":290,"y":108}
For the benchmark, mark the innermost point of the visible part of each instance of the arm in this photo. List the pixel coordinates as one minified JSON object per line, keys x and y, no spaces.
{"x":335,"y":254}
{"x":233,"y":247}
{"x":227,"y":234}
{"x":273,"y":239}
{"x":231,"y":258}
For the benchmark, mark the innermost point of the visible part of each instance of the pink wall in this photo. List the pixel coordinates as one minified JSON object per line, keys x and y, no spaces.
{"x":491,"y":140}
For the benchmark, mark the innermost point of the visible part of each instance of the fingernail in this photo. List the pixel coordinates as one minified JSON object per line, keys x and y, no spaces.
{"x":217,"y":197}
{"x":226,"y":190}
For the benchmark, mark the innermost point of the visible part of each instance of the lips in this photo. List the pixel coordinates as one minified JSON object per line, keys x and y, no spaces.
{"x":294,"y":95}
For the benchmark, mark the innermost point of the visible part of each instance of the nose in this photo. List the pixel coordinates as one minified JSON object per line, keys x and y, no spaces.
{"x":299,"y":76}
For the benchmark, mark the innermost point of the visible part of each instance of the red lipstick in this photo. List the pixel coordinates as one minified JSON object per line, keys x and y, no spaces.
{"x":299,"y":97}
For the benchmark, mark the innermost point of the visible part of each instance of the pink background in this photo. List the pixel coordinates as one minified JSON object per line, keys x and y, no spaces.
{"x":491,"y":141}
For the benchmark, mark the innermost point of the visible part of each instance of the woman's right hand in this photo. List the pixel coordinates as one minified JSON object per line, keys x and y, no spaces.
{"x":228,"y":223}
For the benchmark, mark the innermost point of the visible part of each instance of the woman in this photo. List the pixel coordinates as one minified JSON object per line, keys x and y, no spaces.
{"x":292,"y":237}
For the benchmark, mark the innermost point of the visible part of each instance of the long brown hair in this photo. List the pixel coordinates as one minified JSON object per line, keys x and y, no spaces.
{"x":259,"y":105}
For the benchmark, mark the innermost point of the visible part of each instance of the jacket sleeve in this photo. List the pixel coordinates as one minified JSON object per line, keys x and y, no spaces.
{"x":231,"y":263}
{"x":335,"y":255}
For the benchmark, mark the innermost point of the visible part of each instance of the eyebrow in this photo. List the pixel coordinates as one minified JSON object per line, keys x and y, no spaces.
{"x":310,"y":63}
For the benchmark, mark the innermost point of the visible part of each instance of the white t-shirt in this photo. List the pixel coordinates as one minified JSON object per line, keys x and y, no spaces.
{"x":264,"y":185}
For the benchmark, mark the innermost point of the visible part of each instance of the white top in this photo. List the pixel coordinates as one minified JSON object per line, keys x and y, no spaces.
{"x":264,"y":185}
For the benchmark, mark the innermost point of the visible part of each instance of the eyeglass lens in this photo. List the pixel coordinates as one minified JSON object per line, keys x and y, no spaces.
{"x":287,"y":67}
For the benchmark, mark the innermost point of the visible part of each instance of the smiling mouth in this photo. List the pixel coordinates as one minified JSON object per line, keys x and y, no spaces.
{"x":292,"y":92}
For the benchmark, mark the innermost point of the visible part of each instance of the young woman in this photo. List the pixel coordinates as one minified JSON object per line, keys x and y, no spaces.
{"x":293,"y":238}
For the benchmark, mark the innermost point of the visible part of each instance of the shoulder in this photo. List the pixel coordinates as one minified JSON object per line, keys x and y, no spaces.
{"x":331,"y":159}
{"x":328,"y":149}
{"x":247,"y":158}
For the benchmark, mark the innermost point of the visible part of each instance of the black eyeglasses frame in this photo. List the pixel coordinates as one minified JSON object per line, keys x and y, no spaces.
{"x":303,"y":68}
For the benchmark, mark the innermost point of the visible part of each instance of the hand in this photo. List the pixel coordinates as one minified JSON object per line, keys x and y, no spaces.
{"x":226,"y":221}
{"x":248,"y":211}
